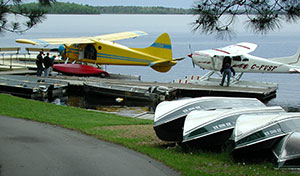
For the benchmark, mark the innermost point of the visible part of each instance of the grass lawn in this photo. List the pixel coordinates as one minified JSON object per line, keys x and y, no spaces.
{"x":135,"y":134}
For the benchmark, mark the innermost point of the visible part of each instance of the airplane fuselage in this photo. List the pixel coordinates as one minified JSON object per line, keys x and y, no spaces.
{"x":107,"y":52}
{"x":243,"y":63}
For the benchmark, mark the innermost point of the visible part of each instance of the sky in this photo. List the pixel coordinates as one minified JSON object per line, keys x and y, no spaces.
{"x":163,"y":3}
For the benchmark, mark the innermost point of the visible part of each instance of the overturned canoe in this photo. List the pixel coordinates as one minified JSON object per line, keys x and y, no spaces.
{"x":214,"y":128}
{"x":262,"y":131}
{"x":170,"y":115}
{"x":287,"y":151}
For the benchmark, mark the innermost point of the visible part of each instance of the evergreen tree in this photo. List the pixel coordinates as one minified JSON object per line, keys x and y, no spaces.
{"x":218,"y":16}
{"x":16,"y":18}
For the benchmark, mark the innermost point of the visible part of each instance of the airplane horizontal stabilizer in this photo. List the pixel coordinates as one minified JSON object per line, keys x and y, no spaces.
{"x":178,"y":59}
{"x":162,"y":63}
{"x":294,"y":70}
{"x":290,"y":60}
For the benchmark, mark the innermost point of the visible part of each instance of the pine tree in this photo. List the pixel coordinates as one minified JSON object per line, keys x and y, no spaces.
{"x":15,"y":18}
{"x":218,"y":16}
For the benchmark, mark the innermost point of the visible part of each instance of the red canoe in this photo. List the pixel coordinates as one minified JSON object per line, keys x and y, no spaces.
{"x":79,"y":69}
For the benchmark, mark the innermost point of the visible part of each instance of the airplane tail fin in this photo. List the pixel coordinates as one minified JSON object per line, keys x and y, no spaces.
{"x":290,"y":60}
{"x":161,"y":49}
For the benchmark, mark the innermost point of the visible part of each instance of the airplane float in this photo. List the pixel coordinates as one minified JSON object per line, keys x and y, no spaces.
{"x":241,"y":61}
{"x":103,"y":50}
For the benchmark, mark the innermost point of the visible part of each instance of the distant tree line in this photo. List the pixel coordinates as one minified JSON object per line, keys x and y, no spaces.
{"x":72,"y":8}
{"x":142,"y":10}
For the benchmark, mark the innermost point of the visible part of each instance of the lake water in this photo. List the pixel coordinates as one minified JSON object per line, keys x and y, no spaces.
{"x":280,"y":43}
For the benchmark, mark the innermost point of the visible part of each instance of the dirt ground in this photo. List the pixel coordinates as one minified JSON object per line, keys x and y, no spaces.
{"x":138,"y":131}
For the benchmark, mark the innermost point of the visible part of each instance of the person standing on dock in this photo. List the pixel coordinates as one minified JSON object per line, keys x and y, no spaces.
{"x":227,"y":70}
{"x":47,"y":64}
{"x":39,"y":64}
{"x":52,"y":59}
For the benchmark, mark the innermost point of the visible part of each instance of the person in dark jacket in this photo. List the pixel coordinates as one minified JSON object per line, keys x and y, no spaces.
{"x":47,"y":64}
{"x":227,"y":70}
{"x":39,"y":64}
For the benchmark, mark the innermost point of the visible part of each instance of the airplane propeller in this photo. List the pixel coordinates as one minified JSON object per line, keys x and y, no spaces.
{"x":191,"y":55}
{"x":60,"y":50}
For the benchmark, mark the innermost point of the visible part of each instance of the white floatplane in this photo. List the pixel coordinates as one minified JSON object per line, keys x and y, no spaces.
{"x":242,"y":61}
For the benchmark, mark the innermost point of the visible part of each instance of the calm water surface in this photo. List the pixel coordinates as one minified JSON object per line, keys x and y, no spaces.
{"x":276,"y":44}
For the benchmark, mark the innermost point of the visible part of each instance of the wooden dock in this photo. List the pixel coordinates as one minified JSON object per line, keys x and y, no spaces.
{"x":172,"y":91}
{"x":125,"y":89}
{"x":32,"y":87}
{"x":129,"y":87}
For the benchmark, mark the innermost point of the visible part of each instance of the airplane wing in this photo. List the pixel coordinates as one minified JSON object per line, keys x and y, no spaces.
{"x":232,"y":50}
{"x":83,"y":40}
{"x":120,"y":35}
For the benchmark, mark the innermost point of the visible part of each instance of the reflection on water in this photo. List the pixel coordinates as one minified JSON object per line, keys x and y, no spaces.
{"x":124,"y":110}
{"x":111,"y":105}
{"x":76,"y":101}
{"x":130,"y":108}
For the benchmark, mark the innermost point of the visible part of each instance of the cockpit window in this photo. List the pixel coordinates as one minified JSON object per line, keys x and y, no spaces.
{"x":90,"y":52}
{"x":236,"y":58}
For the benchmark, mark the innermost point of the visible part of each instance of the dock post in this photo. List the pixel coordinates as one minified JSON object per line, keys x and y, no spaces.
{"x":10,"y":62}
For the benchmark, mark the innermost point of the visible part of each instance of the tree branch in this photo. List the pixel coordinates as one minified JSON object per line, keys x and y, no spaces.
{"x":263,"y":15}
